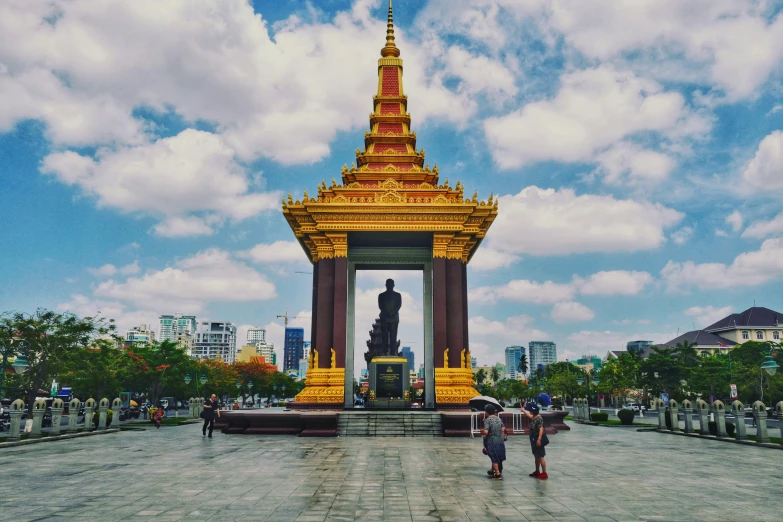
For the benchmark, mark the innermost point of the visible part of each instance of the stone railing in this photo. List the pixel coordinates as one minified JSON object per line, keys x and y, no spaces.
{"x":17,"y":409}
{"x":718,"y":411}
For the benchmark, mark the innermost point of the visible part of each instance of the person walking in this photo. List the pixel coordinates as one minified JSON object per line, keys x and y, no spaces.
{"x":495,"y":432}
{"x":538,"y":440}
{"x":210,"y":410}
{"x":159,"y":414}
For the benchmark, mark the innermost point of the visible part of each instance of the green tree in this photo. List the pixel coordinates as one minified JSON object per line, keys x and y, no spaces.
{"x":46,"y":338}
{"x":480,"y":377}
{"x":494,"y":374}
{"x":160,"y":367}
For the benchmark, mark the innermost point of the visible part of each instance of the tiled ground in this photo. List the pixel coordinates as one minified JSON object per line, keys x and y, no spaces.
{"x":597,"y":473}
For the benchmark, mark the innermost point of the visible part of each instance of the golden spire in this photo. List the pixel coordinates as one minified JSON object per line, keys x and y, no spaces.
{"x":390,"y":49}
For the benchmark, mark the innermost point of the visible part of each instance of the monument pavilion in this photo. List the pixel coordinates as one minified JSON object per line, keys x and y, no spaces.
{"x":390,"y":211}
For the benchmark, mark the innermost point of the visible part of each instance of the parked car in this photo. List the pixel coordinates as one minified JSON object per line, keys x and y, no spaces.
{"x":638,"y":407}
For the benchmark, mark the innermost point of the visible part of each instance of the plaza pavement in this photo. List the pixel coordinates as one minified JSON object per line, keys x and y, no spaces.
{"x":596,"y":473}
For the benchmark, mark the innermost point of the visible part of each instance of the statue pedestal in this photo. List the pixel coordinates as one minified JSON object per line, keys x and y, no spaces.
{"x":389,"y":383}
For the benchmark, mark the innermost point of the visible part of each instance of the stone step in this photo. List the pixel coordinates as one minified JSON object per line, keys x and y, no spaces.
{"x":389,"y":424}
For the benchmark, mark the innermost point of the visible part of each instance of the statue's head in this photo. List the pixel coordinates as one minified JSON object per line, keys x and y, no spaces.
{"x":389,"y":284}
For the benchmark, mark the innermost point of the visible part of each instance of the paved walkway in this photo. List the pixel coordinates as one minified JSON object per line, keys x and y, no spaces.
{"x":596,"y":473}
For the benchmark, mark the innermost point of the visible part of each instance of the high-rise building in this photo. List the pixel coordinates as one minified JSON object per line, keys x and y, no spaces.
{"x":171,"y":325}
{"x":421,"y":371}
{"x":293,"y":348}
{"x":215,"y":340}
{"x":256,"y":335}
{"x":303,"y":362}
{"x":638,"y":346}
{"x":513,"y":356}
{"x":473,"y":363}
{"x":408,"y":354}
{"x":139,"y":335}
{"x":541,"y":354}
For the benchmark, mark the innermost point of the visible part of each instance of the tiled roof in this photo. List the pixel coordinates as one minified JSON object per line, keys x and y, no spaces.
{"x":701,"y":337}
{"x":755,"y":316}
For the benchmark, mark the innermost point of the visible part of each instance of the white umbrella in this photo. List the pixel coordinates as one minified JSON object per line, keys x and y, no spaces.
{"x":482,"y":400}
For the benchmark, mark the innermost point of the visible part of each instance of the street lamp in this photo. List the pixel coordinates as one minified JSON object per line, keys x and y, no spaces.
{"x":19,"y":365}
{"x":187,"y":378}
{"x":770,"y":366}
{"x":595,"y":382}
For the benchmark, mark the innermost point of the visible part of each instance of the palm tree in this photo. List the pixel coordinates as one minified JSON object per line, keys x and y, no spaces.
{"x":480,"y":377}
{"x":495,"y":374}
{"x":522,"y":368}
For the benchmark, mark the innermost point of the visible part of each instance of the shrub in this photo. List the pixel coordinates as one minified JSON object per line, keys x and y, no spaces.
{"x":599,"y":416}
{"x":668,"y":420}
{"x":517,"y":405}
{"x":502,"y":403}
{"x":626,"y":416}
{"x":730,"y":428}
{"x":97,"y":418}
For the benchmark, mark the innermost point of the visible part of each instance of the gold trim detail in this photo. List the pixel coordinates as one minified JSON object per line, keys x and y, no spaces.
{"x":454,"y":386}
{"x":323,"y":385}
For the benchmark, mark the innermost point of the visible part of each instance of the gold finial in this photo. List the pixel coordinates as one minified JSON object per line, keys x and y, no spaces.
{"x":475,"y":197}
{"x":305,"y":197}
{"x":390,"y":49}
{"x":290,"y":199}
{"x":334,"y":183}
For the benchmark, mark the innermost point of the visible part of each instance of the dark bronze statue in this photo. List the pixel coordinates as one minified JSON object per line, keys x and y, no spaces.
{"x":389,"y":303}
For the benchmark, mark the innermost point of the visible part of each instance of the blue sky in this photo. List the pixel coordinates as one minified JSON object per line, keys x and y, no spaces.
{"x":637,"y":150}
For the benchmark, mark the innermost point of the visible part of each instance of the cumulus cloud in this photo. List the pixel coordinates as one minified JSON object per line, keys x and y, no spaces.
{"x":604,"y":283}
{"x":765,"y":170}
{"x":762,"y":229}
{"x":489,"y":337}
{"x":729,"y":43}
{"x":571,"y":312}
{"x":277,"y":252}
{"x":682,"y":235}
{"x":487,"y":258}
{"x":558,"y":222}
{"x":735,"y":221}
{"x":707,"y":315}
{"x":194,"y":171}
{"x":594,"y":109}
{"x":747,"y":269}
{"x":627,"y":162}
{"x":207,"y":277}
{"x":601,"y":341}
{"x":109,"y":270}
{"x":124,"y":316}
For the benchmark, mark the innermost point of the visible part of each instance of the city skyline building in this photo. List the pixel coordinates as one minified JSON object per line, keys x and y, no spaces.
{"x":293,"y":348}
{"x":304,"y":360}
{"x":140,"y":334}
{"x":172,"y":324}
{"x":541,"y":354}
{"x":408,"y":354}
{"x":513,"y":356}
{"x":215,"y":340}
{"x":256,"y":335}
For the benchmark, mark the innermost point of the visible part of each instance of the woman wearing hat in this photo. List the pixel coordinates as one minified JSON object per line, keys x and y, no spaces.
{"x":494,"y":433}
{"x":538,"y":439}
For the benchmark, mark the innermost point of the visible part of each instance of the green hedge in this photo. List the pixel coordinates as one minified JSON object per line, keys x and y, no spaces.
{"x":626,"y":416}
{"x":599,"y":416}
{"x":713,"y":427}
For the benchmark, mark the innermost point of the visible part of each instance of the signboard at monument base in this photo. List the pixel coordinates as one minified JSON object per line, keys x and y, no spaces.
{"x":389,"y":383}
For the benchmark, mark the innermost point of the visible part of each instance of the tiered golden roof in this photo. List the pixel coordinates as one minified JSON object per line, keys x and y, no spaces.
{"x":390,"y":187}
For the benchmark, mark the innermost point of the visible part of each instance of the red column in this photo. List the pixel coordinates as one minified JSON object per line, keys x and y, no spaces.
{"x":325,"y":311}
{"x":340,"y":309}
{"x":454,"y":315}
{"x":439,"y":323}
{"x":465,"y":338}
{"x":314,"y":309}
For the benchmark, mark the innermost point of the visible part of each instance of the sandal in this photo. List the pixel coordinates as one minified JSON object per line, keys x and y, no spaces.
{"x":497,"y":476}
{"x":534,"y":474}
{"x":491,"y":472}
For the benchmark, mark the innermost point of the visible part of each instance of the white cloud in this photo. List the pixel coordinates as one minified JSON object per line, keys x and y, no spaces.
{"x":778,"y":107}
{"x":71,"y":64}
{"x":523,"y":291}
{"x":191,"y":172}
{"x":604,"y":283}
{"x":124,"y":318}
{"x":765,"y":170}
{"x":599,"y":342}
{"x":613,"y":282}
{"x":277,"y":252}
{"x":487,"y":258}
{"x":558,"y":222}
{"x":109,"y":270}
{"x":489,"y":337}
{"x":727,"y":42}
{"x":631,"y":321}
{"x":747,"y":269}
{"x":594,"y":109}
{"x":571,"y":312}
{"x":762,"y":229}
{"x":735,"y":221}
{"x":627,"y":162}
{"x":682,"y":235}
{"x":707,"y":315}
{"x":207,"y":277}
{"x":480,"y":74}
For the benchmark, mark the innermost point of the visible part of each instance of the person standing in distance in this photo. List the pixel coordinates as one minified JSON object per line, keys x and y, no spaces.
{"x":210,"y":410}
